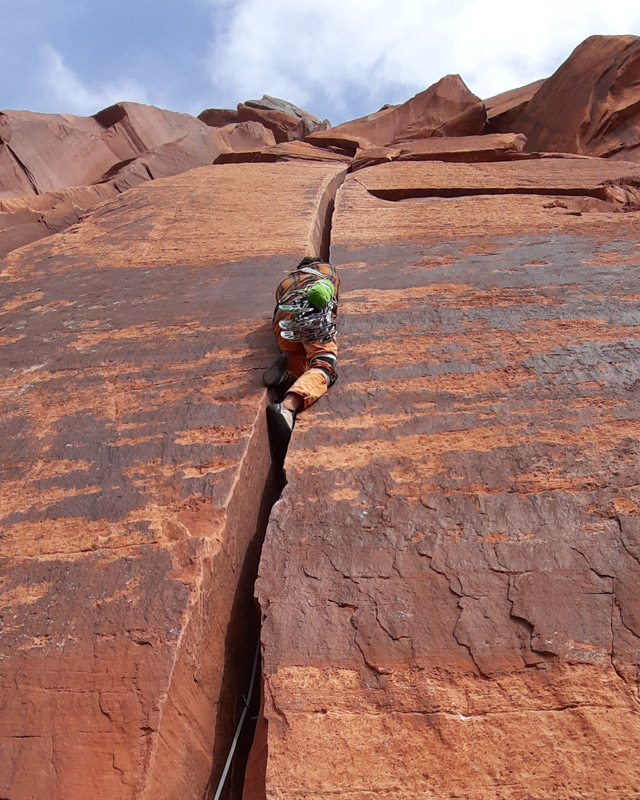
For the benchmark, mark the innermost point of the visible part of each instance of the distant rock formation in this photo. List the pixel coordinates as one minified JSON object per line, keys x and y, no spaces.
{"x":447,"y":108}
{"x":447,"y":588}
{"x":132,"y":150}
{"x":217,"y":117}
{"x":49,"y":152}
{"x":590,"y":105}
{"x":288,"y":122}
{"x":285,"y":151}
{"x":490,"y":147}
{"x":505,"y":107}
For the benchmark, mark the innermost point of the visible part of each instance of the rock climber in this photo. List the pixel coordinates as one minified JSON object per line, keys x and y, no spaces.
{"x":305,"y":329}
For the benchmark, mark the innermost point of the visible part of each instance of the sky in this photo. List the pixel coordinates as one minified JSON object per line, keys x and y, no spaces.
{"x":339,"y":59}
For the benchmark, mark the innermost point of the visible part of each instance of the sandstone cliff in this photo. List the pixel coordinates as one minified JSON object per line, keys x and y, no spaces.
{"x":446,"y":589}
{"x":455,"y":614}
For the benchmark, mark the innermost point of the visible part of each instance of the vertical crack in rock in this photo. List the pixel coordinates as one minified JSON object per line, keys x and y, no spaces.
{"x":244,"y":627}
{"x":222,"y":609}
{"x":267,"y":487}
{"x":321,"y":235}
{"x":24,"y":168}
{"x":253,"y":762}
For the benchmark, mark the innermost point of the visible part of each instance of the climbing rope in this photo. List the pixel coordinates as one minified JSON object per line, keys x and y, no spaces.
{"x":247,"y":700}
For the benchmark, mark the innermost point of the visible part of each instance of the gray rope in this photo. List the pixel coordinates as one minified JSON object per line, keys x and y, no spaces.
{"x":240,"y":723}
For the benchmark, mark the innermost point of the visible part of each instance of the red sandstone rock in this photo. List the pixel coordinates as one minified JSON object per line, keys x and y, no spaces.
{"x":286,"y":151}
{"x":590,"y":104}
{"x":48,"y":152}
{"x":586,"y":177}
{"x":24,"y":220}
{"x":45,"y":152}
{"x":445,"y":582}
{"x":138,"y":128}
{"x":503,"y":108}
{"x":495,"y":147}
{"x":288,"y":122}
{"x":448,"y":583}
{"x":134,"y":464}
{"x":447,"y":108}
{"x":195,"y":150}
{"x":218,"y":117}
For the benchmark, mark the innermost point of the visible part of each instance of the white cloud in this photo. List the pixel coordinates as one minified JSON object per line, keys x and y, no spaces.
{"x":341,"y":52}
{"x":67,"y":93}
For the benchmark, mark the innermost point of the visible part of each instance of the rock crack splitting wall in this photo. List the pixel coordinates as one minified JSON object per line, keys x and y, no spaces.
{"x":445,"y":582}
{"x":128,"y":537}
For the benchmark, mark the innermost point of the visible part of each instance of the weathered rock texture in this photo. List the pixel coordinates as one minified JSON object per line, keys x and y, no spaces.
{"x":447,"y":108}
{"x":217,"y":117}
{"x":503,"y":108}
{"x":590,"y":105}
{"x":135,"y":461}
{"x":57,"y":142}
{"x":589,"y":177}
{"x":286,"y":151}
{"x":288,"y":122}
{"x":47,"y":152}
{"x":448,"y":585}
{"x":496,"y":147}
{"x":447,"y":580}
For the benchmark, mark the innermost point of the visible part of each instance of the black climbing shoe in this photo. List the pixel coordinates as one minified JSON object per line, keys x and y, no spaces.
{"x":277,"y":373}
{"x":280,"y":422}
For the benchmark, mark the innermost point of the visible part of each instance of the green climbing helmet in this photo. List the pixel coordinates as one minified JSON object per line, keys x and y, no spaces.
{"x":321,"y":293}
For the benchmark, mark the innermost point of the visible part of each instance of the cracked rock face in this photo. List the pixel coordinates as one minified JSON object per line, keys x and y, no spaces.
{"x":466,"y":149}
{"x":446,"y":582}
{"x":133,"y":435}
{"x":448,"y":587}
{"x":54,"y":168}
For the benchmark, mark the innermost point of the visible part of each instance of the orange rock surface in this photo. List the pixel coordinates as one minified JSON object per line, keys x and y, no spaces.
{"x":48,"y":152}
{"x":447,"y":587}
{"x":285,"y":151}
{"x":135,"y":473}
{"x":589,"y":105}
{"x":491,"y":147}
{"x":447,"y":108}
{"x":454,"y":615}
{"x":217,"y":117}
{"x":25,"y":219}
{"x":503,"y":108}
{"x":546,"y":176}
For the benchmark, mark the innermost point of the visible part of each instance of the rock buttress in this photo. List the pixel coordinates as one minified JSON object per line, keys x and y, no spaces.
{"x":446,"y":581}
{"x":135,"y":472}
{"x":589,"y":105}
{"x":54,"y":168}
